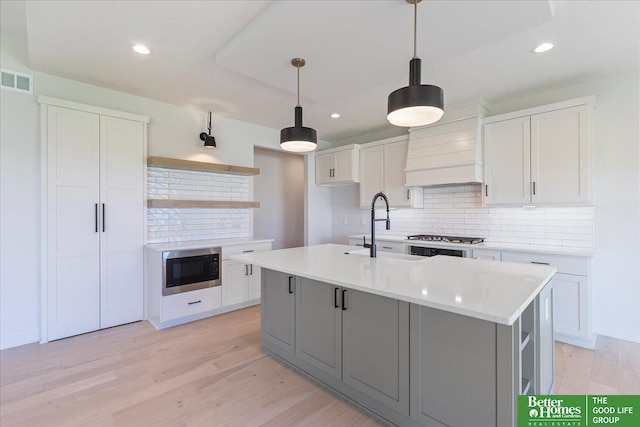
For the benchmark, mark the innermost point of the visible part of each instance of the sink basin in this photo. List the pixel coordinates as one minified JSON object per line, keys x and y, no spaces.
{"x":380,"y":254}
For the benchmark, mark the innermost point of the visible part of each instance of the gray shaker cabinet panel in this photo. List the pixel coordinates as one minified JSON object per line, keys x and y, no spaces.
{"x":319,"y":325}
{"x":453,"y":360}
{"x":376,"y":348}
{"x":278,"y":309}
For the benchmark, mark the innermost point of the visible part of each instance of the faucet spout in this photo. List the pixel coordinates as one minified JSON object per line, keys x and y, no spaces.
{"x":380,"y":195}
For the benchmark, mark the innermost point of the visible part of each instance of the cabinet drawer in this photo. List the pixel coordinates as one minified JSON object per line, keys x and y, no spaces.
{"x":227,"y":251}
{"x":190,"y":303}
{"x":396,"y":247}
{"x":565,"y":264}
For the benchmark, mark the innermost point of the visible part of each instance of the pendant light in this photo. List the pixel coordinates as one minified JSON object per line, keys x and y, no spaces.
{"x":298,"y":138}
{"x":416,"y":104}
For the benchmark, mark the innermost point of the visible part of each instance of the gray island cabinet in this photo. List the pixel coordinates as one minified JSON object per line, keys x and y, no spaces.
{"x":405,"y":356}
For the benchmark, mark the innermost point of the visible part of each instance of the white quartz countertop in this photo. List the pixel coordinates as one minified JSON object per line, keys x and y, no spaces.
{"x":493,"y":291}
{"x":199,"y":244}
{"x":516,"y":247}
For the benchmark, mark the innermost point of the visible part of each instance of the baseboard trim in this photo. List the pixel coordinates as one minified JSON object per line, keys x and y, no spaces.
{"x":18,"y":338}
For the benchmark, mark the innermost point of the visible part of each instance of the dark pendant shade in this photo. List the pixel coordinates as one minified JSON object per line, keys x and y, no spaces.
{"x":416,"y":104}
{"x":298,"y":138}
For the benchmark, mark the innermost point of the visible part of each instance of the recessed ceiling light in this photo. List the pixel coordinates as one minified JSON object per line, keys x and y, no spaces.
{"x":335,"y":116}
{"x":543,"y":47}
{"x":141,"y":49}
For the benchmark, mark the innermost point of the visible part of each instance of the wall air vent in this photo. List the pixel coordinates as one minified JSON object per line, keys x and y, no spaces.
{"x":17,"y":81}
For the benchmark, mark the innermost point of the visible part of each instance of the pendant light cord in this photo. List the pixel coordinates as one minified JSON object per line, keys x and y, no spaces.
{"x":298,"y":69}
{"x":415,"y":28}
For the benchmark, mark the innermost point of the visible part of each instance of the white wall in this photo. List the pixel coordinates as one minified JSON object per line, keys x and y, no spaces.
{"x":172,"y":132}
{"x":280,"y":190}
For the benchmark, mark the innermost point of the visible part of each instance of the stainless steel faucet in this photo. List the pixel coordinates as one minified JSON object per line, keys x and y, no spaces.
{"x":372,"y":249}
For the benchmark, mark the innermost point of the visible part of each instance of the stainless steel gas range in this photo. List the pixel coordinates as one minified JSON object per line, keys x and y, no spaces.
{"x":427,"y":250}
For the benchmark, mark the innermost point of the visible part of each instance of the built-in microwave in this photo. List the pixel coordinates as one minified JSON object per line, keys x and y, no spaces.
{"x":189,"y":270}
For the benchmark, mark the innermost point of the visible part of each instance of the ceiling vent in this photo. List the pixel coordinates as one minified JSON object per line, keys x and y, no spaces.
{"x":17,"y":81}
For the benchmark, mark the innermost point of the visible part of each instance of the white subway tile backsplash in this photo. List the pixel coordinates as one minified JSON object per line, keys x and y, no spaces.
{"x":177,"y":224}
{"x":458,"y":210}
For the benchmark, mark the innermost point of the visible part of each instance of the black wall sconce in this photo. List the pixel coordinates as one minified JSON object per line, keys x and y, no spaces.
{"x":209,"y":140}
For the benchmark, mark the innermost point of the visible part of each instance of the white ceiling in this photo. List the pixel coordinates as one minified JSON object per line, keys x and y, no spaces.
{"x":233,"y":57}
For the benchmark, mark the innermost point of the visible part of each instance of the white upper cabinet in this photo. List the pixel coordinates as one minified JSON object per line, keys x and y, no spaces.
{"x":382,"y":167}
{"x":560,"y":156}
{"x":507,"y":147}
{"x":542,"y":157}
{"x":338,"y":166}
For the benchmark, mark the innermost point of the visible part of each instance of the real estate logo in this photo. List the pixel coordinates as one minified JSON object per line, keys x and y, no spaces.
{"x":578,"y":411}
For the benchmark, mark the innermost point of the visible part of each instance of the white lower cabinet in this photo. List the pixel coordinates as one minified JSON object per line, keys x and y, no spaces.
{"x":381,"y":245}
{"x":487,"y":254}
{"x":190,"y":303}
{"x":240,"y":282}
{"x":571,"y":299}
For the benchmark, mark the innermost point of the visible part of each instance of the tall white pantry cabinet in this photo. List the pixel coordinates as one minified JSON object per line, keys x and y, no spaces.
{"x":93,"y":208}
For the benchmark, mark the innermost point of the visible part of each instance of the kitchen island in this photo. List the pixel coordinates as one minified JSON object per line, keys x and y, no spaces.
{"x":438,"y":341}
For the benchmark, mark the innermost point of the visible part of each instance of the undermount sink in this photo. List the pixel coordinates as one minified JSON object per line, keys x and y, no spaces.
{"x":380,"y":254}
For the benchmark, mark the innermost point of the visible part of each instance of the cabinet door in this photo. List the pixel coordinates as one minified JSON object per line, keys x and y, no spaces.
{"x":278,"y":309}
{"x":395,"y":160}
{"x":507,"y":154}
{"x":371,"y":174}
{"x":325,"y":164}
{"x":254,"y":281}
{"x":73,"y":267}
{"x":235,"y":282}
{"x":560,"y":156}
{"x":122,"y":217}
{"x":343,"y":169}
{"x":570,"y":305}
{"x":376,"y":348}
{"x":319,"y":325}
{"x":545,"y":346}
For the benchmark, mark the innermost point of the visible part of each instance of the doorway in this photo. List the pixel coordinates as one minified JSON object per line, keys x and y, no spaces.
{"x":280,"y":190}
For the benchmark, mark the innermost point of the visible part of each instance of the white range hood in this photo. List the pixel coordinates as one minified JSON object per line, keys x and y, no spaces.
{"x":448,"y":152}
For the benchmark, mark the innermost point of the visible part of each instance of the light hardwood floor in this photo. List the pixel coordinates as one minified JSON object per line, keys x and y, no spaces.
{"x":213,"y":373}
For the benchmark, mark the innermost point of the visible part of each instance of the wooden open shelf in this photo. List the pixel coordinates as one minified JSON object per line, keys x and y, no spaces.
{"x":166,"y":203}
{"x":166,"y":162}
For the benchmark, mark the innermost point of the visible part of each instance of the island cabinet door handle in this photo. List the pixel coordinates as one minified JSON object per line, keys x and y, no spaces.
{"x":104,"y":219}
{"x":335,"y":298}
{"x":541,"y":263}
{"x":290,"y":283}
{"x":195,"y":302}
{"x":246,"y":270}
{"x":251,"y":269}
{"x":96,"y":215}
{"x":344,"y":299}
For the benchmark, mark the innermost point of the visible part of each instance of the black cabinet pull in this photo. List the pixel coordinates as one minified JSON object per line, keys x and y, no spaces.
{"x":387,"y":247}
{"x":96,"y":214}
{"x":246,"y":252}
{"x":344,"y":299}
{"x":195,"y":302}
{"x":246,"y":270}
{"x":290,"y":281}
{"x":540,"y":263}
{"x":335,"y":298}
{"x":486,"y":190}
{"x":251,"y":269}
{"x":104,"y":218}
{"x":534,"y":187}
{"x":408,"y":194}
